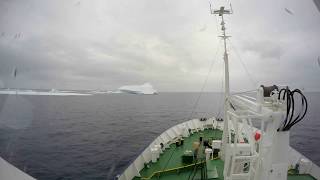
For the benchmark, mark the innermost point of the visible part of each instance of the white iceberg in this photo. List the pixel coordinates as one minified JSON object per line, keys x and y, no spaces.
{"x":53,"y":92}
{"x":145,"y":88}
{"x":99,"y":92}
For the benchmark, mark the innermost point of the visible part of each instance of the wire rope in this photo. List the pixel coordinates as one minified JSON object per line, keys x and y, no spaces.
{"x":204,"y":84}
{"x":253,"y":81}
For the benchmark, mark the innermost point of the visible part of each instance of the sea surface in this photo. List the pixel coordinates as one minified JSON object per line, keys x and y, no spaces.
{"x":97,"y":137}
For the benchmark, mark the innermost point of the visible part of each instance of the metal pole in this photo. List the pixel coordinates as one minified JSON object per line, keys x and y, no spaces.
{"x":227,"y":90}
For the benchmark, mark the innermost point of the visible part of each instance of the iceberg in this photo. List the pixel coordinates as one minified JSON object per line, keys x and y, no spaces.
{"x":145,"y":88}
{"x":53,"y":92}
{"x":99,"y":92}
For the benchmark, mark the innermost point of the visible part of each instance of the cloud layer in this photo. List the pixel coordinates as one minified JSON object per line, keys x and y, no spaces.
{"x":171,"y":44}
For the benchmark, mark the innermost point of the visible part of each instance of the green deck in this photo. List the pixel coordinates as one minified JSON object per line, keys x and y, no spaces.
{"x":170,"y":166}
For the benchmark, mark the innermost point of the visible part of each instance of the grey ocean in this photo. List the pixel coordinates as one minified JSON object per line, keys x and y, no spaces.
{"x":96,"y":137}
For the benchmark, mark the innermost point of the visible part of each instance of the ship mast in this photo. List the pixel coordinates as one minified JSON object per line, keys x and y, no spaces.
{"x":221,"y":12}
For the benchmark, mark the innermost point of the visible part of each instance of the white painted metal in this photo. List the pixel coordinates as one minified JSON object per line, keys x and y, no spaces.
{"x":154,"y":154}
{"x":208,"y":152}
{"x":216,"y":144}
{"x":304,"y":166}
{"x":9,"y":172}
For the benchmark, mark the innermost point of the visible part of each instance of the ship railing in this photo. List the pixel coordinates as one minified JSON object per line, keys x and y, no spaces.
{"x":244,"y":111}
{"x":240,"y":128}
{"x":166,"y":138}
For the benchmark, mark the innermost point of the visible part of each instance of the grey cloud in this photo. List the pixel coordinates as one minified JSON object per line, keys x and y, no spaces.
{"x":106,"y":44}
{"x":265,"y":49}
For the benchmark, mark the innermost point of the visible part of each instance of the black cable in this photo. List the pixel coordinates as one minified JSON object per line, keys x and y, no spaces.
{"x":194,"y":169}
{"x":164,"y":168}
{"x":285,"y":94}
{"x":290,"y":123}
{"x":291,"y":110}
{"x":195,"y":172}
{"x":292,"y":117}
{"x":304,"y":107}
{"x":281,"y":92}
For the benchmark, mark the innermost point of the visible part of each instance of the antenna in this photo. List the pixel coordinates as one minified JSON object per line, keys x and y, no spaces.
{"x":231,"y":9}
{"x":210,"y":8}
{"x":222,"y":11}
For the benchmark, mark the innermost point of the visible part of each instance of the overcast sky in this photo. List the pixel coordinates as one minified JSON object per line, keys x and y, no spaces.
{"x":104,"y":44}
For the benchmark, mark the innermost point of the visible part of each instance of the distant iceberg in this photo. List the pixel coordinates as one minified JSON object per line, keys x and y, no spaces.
{"x":53,"y":92}
{"x":145,"y":88}
{"x":100,"y":92}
